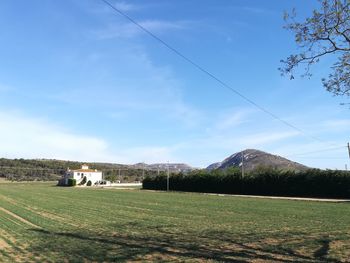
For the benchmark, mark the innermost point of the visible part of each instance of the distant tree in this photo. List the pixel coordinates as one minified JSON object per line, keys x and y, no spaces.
{"x":111,"y":177}
{"x":233,"y":171}
{"x":325,"y":33}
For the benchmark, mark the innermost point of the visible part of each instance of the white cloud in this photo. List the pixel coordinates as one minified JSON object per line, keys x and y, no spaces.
{"x":137,"y":86}
{"x":129,"y":30}
{"x":237,"y":141}
{"x":259,"y":139}
{"x":123,"y":6}
{"x":26,"y":137}
{"x":150,"y":154}
{"x":5,"y":88}
{"x":22,"y":136}
{"x":101,"y":8}
{"x":233,"y":119}
{"x":258,"y":11}
{"x":336,"y":125}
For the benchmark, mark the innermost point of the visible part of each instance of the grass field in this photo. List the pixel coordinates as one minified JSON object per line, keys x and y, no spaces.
{"x":41,"y":222}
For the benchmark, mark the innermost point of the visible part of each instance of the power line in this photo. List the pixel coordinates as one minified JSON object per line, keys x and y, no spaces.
{"x":322,"y":158}
{"x":203,"y":70}
{"x":322,"y":150}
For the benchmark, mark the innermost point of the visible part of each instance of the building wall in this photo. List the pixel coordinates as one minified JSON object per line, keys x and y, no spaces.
{"x":79,"y":175}
{"x":90,"y":176}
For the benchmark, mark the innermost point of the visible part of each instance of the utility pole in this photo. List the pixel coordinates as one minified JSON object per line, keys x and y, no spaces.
{"x":167,"y":179}
{"x":242,"y":164}
{"x":143,"y":171}
{"x":346,"y":166}
{"x":119,"y":175}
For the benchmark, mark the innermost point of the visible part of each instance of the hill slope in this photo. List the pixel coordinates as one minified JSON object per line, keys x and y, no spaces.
{"x":254,"y":158}
{"x":43,"y":169}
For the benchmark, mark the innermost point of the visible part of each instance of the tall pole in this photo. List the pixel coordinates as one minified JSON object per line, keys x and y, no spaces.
{"x":349,"y":149}
{"x":119,"y":175}
{"x":167,"y":179}
{"x":242,"y":164}
{"x":143,"y":171}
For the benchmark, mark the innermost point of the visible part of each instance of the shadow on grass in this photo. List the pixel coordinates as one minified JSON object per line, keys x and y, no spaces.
{"x":322,"y":252}
{"x":78,"y":246}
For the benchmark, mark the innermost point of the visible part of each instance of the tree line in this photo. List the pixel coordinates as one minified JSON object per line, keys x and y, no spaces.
{"x":262,"y":181}
{"x":52,"y":170}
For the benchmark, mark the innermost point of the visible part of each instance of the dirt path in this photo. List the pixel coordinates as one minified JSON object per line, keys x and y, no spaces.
{"x":289,"y":198}
{"x":3,"y":244}
{"x":330,"y":200}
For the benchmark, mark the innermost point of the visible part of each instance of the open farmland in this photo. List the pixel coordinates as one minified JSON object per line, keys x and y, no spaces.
{"x":41,"y":222}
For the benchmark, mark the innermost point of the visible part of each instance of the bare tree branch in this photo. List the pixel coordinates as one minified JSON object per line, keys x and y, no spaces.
{"x":326,"y":32}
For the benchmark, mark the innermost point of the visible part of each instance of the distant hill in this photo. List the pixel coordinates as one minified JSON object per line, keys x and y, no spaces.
{"x":254,"y":158}
{"x":173,"y":167}
{"x":44,"y":169}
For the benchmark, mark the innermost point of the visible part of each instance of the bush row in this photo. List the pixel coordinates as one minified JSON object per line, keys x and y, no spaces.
{"x":309,"y":183}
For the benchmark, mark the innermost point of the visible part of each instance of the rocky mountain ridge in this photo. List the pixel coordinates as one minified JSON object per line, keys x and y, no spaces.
{"x":252,"y":159}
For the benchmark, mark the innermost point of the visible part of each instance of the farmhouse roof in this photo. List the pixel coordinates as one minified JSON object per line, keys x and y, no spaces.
{"x":85,"y":168}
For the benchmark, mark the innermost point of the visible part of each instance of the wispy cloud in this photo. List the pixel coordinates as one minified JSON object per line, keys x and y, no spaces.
{"x":5,"y":88}
{"x":124,"y":6}
{"x":336,"y":125}
{"x":233,"y":118}
{"x":143,"y":88}
{"x":35,"y":138}
{"x":150,"y":154}
{"x":257,"y":10}
{"x":23,"y":136}
{"x":102,"y":8}
{"x":260,"y":139}
{"x":130,"y":30}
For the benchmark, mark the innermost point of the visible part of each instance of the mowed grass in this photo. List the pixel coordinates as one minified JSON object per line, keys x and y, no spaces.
{"x":40,"y":222}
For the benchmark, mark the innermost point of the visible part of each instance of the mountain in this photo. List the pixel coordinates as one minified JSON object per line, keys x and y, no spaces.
{"x":254,"y":158}
{"x":214,"y":166}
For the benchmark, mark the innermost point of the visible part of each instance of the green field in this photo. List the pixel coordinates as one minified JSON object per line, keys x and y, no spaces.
{"x":41,"y":222}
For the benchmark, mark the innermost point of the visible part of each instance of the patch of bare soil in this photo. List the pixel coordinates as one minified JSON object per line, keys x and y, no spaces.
{"x":340,"y":248}
{"x":3,"y":244}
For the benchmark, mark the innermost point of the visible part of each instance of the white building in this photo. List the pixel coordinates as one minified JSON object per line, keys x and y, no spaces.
{"x":84,"y":176}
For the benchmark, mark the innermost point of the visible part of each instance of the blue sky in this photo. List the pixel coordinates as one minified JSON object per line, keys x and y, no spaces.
{"x":79,"y":82}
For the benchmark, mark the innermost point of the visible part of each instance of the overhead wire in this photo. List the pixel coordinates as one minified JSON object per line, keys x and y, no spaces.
{"x":319,"y":151}
{"x":211,"y":75}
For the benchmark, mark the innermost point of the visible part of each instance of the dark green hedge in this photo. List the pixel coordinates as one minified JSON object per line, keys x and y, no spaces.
{"x":72,"y":182}
{"x":309,"y":183}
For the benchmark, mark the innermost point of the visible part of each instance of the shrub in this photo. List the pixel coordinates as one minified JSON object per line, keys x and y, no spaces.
{"x":89,"y":183}
{"x":72,"y":182}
